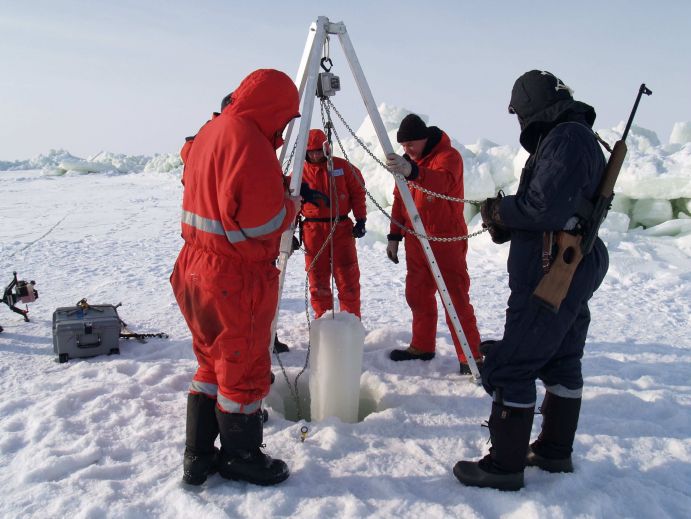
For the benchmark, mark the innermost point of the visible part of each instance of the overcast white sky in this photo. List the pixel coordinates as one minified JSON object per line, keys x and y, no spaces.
{"x":137,"y":76}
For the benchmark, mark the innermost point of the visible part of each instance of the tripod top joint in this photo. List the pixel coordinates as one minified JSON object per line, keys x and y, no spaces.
{"x":331,"y":27}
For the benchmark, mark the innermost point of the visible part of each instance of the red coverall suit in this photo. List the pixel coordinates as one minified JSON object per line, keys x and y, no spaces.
{"x":441,"y":171}
{"x":346,"y":193}
{"x":234,"y":209}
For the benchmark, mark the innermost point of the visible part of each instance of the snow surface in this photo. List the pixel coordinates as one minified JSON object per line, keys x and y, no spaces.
{"x":104,"y":437}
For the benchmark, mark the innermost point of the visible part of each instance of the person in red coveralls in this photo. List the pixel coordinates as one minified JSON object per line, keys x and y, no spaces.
{"x":432,"y":163}
{"x":235,"y":208}
{"x":346,"y":192}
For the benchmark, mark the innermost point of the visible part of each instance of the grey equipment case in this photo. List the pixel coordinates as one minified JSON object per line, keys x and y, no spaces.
{"x":85,"y":331}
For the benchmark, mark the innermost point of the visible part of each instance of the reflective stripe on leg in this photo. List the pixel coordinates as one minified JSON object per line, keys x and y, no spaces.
{"x":206,"y":388}
{"x":565,"y":392}
{"x":228,"y":406}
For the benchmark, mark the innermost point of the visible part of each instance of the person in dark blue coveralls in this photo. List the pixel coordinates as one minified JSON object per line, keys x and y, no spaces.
{"x":563,"y":171}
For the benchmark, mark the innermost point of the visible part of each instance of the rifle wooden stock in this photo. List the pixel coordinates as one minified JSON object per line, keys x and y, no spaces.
{"x":554,"y":285}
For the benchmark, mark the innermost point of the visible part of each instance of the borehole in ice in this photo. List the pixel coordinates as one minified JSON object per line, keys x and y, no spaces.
{"x":282,"y":400}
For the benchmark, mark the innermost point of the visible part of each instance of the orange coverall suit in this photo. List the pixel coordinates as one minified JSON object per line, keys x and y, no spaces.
{"x":235,"y":207}
{"x":346,"y":194}
{"x":441,"y":171}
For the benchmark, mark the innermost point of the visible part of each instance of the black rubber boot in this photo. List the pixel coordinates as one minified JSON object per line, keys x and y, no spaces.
{"x":552,"y":449}
{"x":410,"y":353}
{"x":201,"y":457}
{"x":502,"y":468}
{"x":241,"y":457}
{"x":280,"y":347}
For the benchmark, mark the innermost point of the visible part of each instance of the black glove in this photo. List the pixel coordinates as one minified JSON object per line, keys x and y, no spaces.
{"x":312,"y":196}
{"x":392,"y":250}
{"x":491,"y":219}
{"x":359,"y":228}
{"x":489,"y":210}
{"x":486,"y":346}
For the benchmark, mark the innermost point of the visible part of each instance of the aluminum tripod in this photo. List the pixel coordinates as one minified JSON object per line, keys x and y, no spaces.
{"x":307,"y":87}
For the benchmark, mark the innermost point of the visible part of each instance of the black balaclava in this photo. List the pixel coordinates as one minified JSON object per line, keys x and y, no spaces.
{"x":541,"y":101}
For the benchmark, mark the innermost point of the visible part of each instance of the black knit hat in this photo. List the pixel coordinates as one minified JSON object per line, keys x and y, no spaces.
{"x":412,"y":129}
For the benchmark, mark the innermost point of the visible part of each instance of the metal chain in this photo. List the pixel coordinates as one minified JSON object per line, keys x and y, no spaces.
{"x":293,"y":387}
{"x":334,"y":211}
{"x":326,"y":104}
{"x":410,"y":183}
{"x":287,"y":163}
{"x":307,"y":315}
{"x":402,"y":226}
{"x":417,"y":186}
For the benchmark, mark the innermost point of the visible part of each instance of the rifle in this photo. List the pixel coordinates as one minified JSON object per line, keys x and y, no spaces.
{"x":573,"y":245}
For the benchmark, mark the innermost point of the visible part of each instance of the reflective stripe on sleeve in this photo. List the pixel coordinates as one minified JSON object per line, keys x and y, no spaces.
{"x":201,"y":223}
{"x":255,"y":232}
{"x":215,"y":226}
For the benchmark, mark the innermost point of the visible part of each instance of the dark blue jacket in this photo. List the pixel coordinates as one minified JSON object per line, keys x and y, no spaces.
{"x":566,"y":167}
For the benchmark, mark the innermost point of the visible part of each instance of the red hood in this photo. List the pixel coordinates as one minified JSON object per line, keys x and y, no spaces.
{"x":269,"y":98}
{"x":315,"y":139}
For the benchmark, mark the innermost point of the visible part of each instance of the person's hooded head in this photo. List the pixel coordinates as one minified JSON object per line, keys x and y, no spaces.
{"x":541,"y":100}
{"x":269,"y":98}
{"x":315,"y":146}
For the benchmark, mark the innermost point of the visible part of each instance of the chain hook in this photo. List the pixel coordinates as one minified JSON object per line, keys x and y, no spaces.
{"x":326,"y":61}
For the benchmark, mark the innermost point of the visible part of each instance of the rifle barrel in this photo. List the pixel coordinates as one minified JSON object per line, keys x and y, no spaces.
{"x":642,"y":90}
